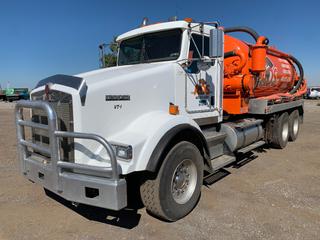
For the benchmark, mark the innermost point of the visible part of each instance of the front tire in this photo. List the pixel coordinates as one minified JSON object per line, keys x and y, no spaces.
{"x":176,"y":189}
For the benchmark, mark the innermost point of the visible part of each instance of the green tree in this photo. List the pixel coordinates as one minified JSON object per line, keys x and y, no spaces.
{"x":109,"y":53}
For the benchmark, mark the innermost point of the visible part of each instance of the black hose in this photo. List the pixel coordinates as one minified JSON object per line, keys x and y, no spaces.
{"x":229,"y":54}
{"x":248,"y":30}
{"x":301,"y":75}
{"x":301,"y":72}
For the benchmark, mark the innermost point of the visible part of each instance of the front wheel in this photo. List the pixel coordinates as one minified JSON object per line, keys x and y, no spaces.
{"x":176,"y":189}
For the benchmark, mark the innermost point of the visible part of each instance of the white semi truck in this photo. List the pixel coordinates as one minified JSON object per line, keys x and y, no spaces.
{"x":163,"y":113}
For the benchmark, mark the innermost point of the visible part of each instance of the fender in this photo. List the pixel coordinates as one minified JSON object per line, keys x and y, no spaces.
{"x":165,"y":144}
{"x":150,"y":134}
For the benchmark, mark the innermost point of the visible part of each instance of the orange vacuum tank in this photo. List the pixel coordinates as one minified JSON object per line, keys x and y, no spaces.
{"x":256,"y":71}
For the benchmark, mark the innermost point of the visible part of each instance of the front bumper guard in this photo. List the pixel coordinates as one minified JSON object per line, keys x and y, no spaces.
{"x":58,"y":176}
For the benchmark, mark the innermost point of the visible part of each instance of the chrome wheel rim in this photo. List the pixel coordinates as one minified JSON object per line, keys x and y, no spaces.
{"x":285,"y":131}
{"x":295,"y":126}
{"x":184,"y":181}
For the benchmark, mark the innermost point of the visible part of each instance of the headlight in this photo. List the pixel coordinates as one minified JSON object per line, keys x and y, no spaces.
{"x":122,"y":151}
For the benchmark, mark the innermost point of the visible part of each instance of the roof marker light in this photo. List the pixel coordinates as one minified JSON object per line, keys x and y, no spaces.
{"x":188,"y":19}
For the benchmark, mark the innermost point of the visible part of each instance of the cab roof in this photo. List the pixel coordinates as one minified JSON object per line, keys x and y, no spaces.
{"x":156,"y":27}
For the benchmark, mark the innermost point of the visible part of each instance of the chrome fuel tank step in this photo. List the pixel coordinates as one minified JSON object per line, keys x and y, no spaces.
{"x":221,"y":162}
{"x":242,"y":133}
{"x":215,"y":142}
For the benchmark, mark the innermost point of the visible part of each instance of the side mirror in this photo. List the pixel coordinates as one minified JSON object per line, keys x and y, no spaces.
{"x":216,"y":43}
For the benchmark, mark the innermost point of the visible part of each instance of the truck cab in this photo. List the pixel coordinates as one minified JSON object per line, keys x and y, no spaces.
{"x":158,"y":113}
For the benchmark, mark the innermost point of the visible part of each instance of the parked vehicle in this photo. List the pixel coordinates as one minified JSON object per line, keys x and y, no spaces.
{"x":313,"y":93}
{"x":14,"y":94}
{"x":23,"y":93}
{"x":185,"y":99}
{"x":11,"y":95}
{"x":2,"y":95}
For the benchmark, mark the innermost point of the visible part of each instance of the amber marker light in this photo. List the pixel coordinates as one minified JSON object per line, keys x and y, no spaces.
{"x":173,"y":109}
{"x":188,"y":19}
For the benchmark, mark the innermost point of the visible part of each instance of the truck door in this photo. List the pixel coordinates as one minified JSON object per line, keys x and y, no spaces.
{"x":201,"y":94}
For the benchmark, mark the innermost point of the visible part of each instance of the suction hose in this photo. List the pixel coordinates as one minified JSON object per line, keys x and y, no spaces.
{"x":293,"y":59}
{"x":248,"y":30}
{"x":230,"y":54}
{"x":301,"y":75}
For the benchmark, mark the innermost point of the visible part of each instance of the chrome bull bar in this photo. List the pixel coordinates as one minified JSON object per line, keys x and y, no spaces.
{"x":58,"y":180}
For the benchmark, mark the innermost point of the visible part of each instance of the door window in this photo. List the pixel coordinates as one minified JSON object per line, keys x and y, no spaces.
{"x":199,"y":46}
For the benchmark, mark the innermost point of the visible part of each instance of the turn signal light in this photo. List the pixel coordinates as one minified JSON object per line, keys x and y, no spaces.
{"x":173,"y":109}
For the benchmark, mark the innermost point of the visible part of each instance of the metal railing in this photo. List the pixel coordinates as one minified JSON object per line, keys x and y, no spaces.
{"x":56,"y":164}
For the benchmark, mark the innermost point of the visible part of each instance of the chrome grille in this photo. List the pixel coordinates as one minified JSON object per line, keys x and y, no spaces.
{"x":62,"y":104}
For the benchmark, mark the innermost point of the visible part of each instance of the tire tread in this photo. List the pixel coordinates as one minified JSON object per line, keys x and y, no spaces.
{"x":150,"y":189}
{"x":150,"y":198}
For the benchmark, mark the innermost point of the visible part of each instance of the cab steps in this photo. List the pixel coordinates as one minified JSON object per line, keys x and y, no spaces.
{"x":215,"y":142}
{"x":222,"y":161}
{"x":215,"y":171}
{"x":251,"y":147}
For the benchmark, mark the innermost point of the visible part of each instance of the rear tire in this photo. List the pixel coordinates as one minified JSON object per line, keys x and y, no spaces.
{"x":280,"y":133}
{"x":294,"y":125}
{"x":176,"y":189}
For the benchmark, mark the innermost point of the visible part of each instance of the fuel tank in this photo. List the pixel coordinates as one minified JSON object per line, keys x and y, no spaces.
{"x":242,"y":133}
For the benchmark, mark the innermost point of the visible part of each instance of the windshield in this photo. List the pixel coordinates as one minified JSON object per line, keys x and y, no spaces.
{"x":152,"y":47}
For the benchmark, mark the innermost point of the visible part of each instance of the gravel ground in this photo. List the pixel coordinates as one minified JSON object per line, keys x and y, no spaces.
{"x":275,"y":194}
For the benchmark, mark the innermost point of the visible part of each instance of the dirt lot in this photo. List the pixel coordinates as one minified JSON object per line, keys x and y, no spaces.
{"x":274,"y":195}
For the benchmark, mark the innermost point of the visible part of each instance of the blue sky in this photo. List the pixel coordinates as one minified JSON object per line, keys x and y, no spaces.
{"x":42,"y":38}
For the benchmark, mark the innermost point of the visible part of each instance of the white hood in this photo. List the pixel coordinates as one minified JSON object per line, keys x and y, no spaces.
{"x":107,"y":74}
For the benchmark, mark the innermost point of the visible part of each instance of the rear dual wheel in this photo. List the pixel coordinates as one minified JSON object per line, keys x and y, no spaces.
{"x":294,"y":125}
{"x":285,"y":128}
{"x":280,"y":133}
